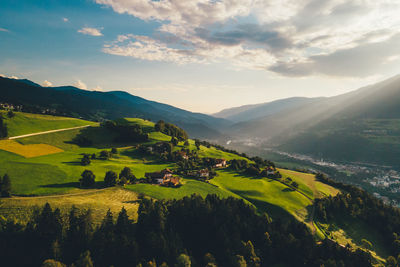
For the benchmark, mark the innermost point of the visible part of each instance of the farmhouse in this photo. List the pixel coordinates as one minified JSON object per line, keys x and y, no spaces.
{"x":172,"y":181}
{"x":203,"y":173}
{"x":220,"y":163}
{"x":158,"y":177}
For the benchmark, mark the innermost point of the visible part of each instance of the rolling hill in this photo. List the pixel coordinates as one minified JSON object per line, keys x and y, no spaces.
{"x":52,"y":177}
{"x":92,"y":105}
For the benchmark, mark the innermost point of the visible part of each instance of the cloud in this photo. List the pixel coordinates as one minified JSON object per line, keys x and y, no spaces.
{"x":65,"y":19}
{"x":46,"y":83}
{"x":97,"y":88}
{"x":90,"y":31}
{"x":358,"y":61}
{"x":9,"y":77}
{"x":81,"y":85}
{"x":4,"y":30}
{"x":289,"y":37}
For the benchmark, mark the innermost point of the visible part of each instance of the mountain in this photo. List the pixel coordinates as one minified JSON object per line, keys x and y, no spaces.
{"x":92,"y":105}
{"x":253,"y":112}
{"x":363,"y":125}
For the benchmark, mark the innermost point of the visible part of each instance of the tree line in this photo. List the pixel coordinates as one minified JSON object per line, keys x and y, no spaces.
{"x":193,"y":231}
{"x":171,"y":130}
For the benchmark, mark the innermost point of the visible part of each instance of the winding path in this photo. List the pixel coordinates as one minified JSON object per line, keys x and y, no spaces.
{"x":47,"y":132}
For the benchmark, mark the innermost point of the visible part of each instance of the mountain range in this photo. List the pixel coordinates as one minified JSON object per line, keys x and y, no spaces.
{"x":363,"y":125}
{"x":94,"y":105}
{"x":359,"y":126}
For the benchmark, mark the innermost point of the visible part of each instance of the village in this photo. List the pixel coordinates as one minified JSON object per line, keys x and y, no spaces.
{"x":167,"y":178}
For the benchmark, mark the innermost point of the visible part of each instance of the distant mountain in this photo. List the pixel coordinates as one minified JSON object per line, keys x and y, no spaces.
{"x":363,"y":125}
{"x":253,"y":112}
{"x":72,"y":101}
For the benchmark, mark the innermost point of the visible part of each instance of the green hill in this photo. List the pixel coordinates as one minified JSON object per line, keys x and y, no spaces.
{"x":27,"y":123}
{"x":54,"y":177}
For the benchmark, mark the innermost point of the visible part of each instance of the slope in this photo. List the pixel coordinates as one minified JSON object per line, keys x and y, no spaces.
{"x":92,"y":105}
{"x":254,"y":112}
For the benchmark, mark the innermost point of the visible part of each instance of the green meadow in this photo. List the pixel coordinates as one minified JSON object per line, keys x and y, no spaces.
{"x":58,"y":174}
{"x":26,"y":123}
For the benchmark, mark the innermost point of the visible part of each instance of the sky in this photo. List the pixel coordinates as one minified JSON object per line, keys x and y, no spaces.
{"x":203,"y":55}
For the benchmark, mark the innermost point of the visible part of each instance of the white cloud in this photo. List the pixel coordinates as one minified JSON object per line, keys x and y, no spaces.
{"x":81,"y":85}
{"x":46,"y":83}
{"x":9,"y":77}
{"x":3,"y":30}
{"x":90,"y":31}
{"x":276,"y":35}
{"x":97,"y":88}
{"x":65,"y":19}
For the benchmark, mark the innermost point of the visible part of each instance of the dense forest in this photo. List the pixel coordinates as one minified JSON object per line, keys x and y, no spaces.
{"x":189,"y":232}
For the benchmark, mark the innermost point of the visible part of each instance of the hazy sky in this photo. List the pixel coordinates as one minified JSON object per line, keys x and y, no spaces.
{"x":202,"y":55}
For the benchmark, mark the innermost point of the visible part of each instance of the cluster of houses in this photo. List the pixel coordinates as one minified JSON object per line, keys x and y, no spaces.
{"x":164,"y":178}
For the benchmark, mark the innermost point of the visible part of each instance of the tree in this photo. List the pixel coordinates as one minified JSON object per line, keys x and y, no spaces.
{"x":93,"y":156}
{"x":174,"y":141}
{"x":104,"y":154}
{"x":295,"y":185}
{"x":110,"y":179}
{"x":391,"y":261}
{"x":197,"y":144}
{"x":84,"y":260}
{"x":240,"y":261}
{"x":183,"y":260}
{"x":3,"y":128}
{"x":253,"y":170}
{"x":11,"y":114}
{"x":5,"y":186}
{"x":52,"y":263}
{"x":209,"y":260}
{"x":85,"y":160}
{"x":366,"y":244}
{"x":127,"y":174}
{"x":88,"y":179}
{"x":114,"y":150}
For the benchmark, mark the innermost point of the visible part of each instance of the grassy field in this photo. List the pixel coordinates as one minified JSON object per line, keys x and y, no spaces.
{"x":309,"y":185}
{"x":267,"y":195}
{"x":26,"y":123}
{"x":28,"y":151}
{"x":99,"y":201}
{"x":47,"y":175}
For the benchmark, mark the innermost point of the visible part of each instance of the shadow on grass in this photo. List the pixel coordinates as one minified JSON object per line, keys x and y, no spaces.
{"x":72,"y":163}
{"x":287,"y":189}
{"x":98,"y":185}
{"x":273,"y":211}
{"x":62,"y":185}
{"x":251,"y":193}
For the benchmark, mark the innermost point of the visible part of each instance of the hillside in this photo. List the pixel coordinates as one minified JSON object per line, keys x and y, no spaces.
{"x":92,"y":105}
{"x":40,"y":175}
{"x":358,"y":126}
{"x":258,"y":111}
{"x":58,"y":172}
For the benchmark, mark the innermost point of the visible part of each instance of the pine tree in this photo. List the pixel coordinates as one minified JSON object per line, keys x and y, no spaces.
{"x":6,"y":186}
{"x":3,"y":128}
{"x":84,"y":260}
